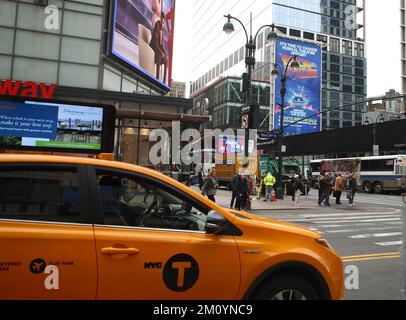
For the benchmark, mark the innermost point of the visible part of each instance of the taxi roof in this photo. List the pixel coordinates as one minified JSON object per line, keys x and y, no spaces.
{"x":32,"y":158}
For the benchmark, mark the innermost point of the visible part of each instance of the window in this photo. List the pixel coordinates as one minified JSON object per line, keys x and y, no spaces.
{"x":347,"y":47}
{"x":260,"y":42}
{"x":378,"y":165}
{"x":36,"y":194}
{"x":335,"y":45}
{"x":131,"y":201}
{"x":308,"y":35}
{"x":295,"y":33}
{"x":359,"y":49}
{"x":335,"y":58}
{"x":235,"y":57}
{"x":242,"y":49}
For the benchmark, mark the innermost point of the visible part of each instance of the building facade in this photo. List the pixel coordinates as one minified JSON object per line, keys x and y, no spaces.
{"x":67,"y":43}
{"x":178,"y":90}
{"x":337,"y":25}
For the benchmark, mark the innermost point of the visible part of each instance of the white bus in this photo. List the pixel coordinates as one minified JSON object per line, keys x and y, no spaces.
{"x":378,"y":174}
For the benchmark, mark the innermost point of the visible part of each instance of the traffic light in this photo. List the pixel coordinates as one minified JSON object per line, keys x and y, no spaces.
{"x":246,"y":82}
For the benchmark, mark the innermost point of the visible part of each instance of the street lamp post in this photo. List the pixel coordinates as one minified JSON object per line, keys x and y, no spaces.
{"x":293,"y":64}
{"x":250,"y":48}
{"x":379,"y":119}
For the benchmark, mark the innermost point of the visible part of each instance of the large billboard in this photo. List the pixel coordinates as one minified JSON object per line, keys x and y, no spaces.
{"x":303,"y":87}
{"x":143,"y":36}
{"x":41,"y":125}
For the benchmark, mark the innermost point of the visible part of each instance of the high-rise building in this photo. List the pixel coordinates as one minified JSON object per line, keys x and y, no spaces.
{"x":337,"y":25}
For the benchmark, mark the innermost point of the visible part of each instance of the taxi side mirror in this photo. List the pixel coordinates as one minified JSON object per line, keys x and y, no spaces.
{"x":215,"y":223}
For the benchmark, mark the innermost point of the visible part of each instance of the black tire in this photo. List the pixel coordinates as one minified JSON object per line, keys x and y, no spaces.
{"x":378,"y":187}
{"x":368,"y":187}
{"x":283,"y":285}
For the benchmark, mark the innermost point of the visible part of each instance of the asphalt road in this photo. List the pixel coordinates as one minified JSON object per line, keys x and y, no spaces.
{"x":368,"y":236}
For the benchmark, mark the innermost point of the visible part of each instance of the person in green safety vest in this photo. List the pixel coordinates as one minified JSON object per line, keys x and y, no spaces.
{"x":269,"y":182}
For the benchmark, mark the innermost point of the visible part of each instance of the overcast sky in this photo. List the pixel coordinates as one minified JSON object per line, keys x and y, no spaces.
{"x":382,"y":48}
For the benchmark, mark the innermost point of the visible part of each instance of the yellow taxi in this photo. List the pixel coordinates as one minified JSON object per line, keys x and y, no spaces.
{"x":79,"y":228}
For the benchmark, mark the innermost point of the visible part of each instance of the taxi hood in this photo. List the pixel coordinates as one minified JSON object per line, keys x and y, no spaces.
{"x":271,"y":223}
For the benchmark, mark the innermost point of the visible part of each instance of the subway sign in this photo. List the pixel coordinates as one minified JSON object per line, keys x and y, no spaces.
{"x":26,"y":89}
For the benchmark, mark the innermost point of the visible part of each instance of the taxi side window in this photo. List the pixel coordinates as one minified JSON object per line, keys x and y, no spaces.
{"x":128,"y":201}
{"x":39,"y":195}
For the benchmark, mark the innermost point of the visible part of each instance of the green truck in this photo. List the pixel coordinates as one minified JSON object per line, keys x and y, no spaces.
{"x":291,"y":167}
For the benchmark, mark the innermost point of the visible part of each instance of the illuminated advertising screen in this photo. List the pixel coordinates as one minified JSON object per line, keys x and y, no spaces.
{"x":37,"y":125}
{"x":303,"y":87}
{"x":231,"y":145}
{"x":143,"y":36}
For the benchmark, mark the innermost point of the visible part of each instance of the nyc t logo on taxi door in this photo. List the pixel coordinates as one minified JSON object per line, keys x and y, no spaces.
{"x":181,"y":273}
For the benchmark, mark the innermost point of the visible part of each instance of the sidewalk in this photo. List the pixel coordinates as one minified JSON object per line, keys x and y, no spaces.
{"x":223,"y":198}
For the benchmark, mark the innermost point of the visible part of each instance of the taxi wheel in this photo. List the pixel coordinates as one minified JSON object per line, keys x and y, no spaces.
{"x":286,"y":287}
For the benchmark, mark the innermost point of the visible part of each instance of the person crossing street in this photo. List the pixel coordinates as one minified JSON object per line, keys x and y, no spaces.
{"x":269,"y":182}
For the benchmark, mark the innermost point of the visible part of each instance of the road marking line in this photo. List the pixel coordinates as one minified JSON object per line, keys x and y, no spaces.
{"x":358,"y":230}
{"x":344,"y":221}
{"x":371,"y":255}
{"x":373,"y":258}
{"x":394,"y":211}
{"x":376,"y":235}
{"x":390,"y":243}
{"x":356,"y":218}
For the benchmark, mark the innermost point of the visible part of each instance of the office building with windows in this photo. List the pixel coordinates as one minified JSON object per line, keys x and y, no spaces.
{"x":338,"y":26}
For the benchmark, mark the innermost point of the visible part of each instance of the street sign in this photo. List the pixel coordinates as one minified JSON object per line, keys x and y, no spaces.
{"x":269,"y":134}
{"x":246,"y":109}
{"x":245,"y":121}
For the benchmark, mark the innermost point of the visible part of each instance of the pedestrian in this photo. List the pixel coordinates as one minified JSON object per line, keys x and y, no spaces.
{"x":269,"y":182}
{"x":325,"y":188}
{"x":294,"y":186}
{"x":339,"y":187}
{"x":210,"y":186}
{"x":200,"y":178}
{"x":352,"y":190}
{"x":233,"y":185}
{"x":297,"y":185}
{"x":241,"y":190}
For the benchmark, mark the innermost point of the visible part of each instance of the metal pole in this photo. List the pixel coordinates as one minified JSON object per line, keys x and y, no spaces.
{"x":403,"y":251}
{"x":280,"y":188}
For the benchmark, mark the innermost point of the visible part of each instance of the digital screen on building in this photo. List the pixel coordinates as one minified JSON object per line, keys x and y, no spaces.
{"x":231,"y":145}
{"x":303,"y":87}
{"x":52,"y":126}
{"x":143,"y":36}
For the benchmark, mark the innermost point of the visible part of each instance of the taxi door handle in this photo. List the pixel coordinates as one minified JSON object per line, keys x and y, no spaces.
{"x":109,"y":251}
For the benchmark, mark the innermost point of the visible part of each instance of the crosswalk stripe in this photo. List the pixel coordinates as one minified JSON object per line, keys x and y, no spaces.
{"x":343,"y":221}
{"x":349,"y":214}
{"x":376,"y":235}
{"x":389,"y":243}
{"x":360,"y":217}
{"x":358,"y":230}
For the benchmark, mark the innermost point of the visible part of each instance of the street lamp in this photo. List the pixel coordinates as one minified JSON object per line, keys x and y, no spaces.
{"x":250,"y":48}
{"x":292,"y":63}
{"x":379,"y":119}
